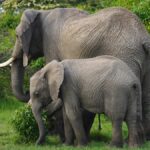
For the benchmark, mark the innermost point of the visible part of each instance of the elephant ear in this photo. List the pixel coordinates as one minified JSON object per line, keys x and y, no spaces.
{"x":25,"y":30}
{"x":55,"y":78}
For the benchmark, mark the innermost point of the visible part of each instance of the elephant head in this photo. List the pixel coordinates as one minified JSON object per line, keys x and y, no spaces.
{"x":28,"y":32}
{"x":44,"y":92}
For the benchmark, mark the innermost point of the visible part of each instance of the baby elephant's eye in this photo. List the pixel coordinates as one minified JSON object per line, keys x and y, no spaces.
{"x":36,"y":93}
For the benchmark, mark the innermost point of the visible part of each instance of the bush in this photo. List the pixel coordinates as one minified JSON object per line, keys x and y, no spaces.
{"x":141,"y":8}
{"x":9,"y":20}
{"x":147,"y":24}
{"x":37,"y":64}
{"x":25,"y":125}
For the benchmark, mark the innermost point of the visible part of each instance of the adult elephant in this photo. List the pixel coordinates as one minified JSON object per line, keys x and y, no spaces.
{"x":71,"y":33}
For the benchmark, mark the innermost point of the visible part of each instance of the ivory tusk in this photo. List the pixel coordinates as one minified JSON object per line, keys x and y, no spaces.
{"x":6,"y":63}
{"x":29,"y":103}
{"x":25,"y":60}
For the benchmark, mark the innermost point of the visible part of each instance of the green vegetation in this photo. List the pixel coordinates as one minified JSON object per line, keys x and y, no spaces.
{"x":25,"y":125}
{"x":139,"y":7}
{"x":9,"y":104}
{"x":100,"y":139}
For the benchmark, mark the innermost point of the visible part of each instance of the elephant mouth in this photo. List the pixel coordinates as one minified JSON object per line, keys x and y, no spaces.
{"x":44,"y":105}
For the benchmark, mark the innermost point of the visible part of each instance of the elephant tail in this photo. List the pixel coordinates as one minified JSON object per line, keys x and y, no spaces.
{"x":99,"y":122}
{"x":138,"y":96}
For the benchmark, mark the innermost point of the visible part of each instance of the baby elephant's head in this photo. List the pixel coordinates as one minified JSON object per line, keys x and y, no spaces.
{"x":39,"y":90}
{"x":44,"y":90}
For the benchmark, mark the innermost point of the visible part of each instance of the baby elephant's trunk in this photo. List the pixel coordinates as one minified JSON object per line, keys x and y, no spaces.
{"x":38,"y":117}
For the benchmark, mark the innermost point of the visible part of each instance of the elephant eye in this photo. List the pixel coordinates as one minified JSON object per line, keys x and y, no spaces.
{"x":36,"y":94}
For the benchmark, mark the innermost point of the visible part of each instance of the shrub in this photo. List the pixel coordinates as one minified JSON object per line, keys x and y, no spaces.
{"x":25,"y":125}
{"x":9,"y":20}
{"x":141,"y":8}
{"x":37,"y":64}
{"x":147,"y":24}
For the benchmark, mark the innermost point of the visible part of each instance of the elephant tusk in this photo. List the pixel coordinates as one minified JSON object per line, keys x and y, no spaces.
{"x":6,"y":63}
{"x":29,"y":103}
{"x":25,"y":60}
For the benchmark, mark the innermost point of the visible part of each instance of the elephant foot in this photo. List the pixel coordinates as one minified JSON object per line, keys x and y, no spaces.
{"x":126,"y":140}
{"x":135,"y":145}
{"x":141,"y":133}
{"x":82,"y":143}
{"x":62,"y":139}
{"x":68,"y":142}
{"x":40,"y":141}
{"x":148,"y":137}
{"x":142,"y":138}
{"x":116,"y":144}
{"x":135,"y":141}
{"x":147,"y":130}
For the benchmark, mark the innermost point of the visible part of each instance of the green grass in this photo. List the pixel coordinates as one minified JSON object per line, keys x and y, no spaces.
{"x":99,"y":139}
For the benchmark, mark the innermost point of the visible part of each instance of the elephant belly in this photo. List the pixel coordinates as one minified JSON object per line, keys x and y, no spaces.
{"x":94,"y":105}
{"x":94,"y":110}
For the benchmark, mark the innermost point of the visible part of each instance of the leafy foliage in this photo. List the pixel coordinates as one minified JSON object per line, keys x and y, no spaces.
{"x":36,"y":64}
{"x":148,"y":26}
{"x":7,"y":39}
{"x":139,"y":7}
{"x":8,"y":23}
{"x":39,"y":4}
{"x":9,"y":20}
{"x":25,"y":125}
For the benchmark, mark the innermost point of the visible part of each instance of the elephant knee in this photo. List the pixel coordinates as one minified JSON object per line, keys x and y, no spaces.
{"x":73,"y":113}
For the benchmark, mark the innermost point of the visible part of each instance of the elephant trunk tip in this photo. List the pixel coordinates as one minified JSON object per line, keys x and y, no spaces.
{"x":22,"y":97}
{"x":41,"y":139}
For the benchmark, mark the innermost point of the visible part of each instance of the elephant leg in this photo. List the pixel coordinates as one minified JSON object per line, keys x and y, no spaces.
{"x":117,"y":139}
{"x":88,"y":119}
{"x":133,"y":136}
{"x":146,"y":104}
{"x":60,"y":125}
{"x":75,"y":118}
{"x":69,"y":133}
{"x":133,"y":120}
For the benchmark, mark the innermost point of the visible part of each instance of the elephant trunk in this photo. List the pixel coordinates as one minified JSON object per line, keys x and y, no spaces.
{"x":37,"y":114}
{"x":17,"y":77}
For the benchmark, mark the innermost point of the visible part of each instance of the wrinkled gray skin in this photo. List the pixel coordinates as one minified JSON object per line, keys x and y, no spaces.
{"x":58,"y":124}
{"x":70,"y":33}
{"x":103,"y":84}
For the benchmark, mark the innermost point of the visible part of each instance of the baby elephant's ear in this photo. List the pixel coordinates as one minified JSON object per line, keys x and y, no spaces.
{"x":55,"y":77}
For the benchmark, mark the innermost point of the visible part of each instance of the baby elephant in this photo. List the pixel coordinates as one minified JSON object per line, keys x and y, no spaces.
{"x":103,"y":84}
